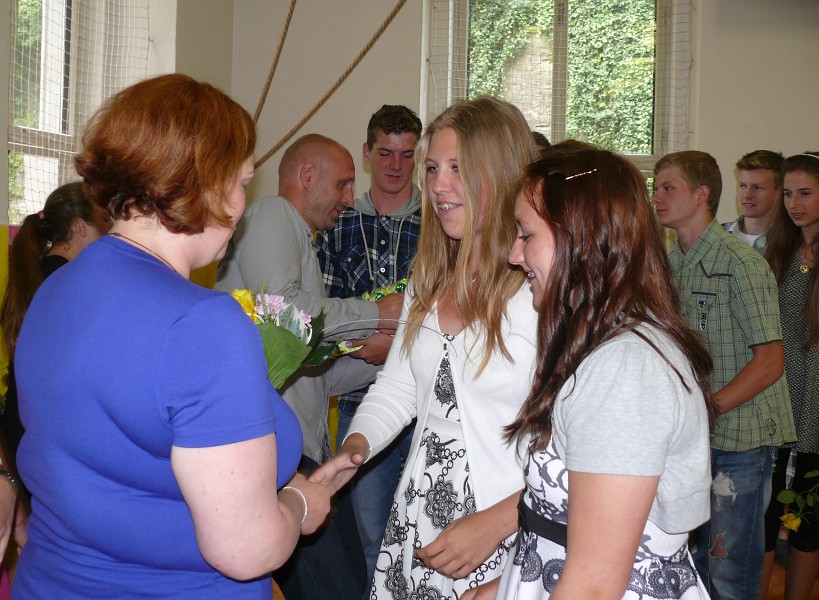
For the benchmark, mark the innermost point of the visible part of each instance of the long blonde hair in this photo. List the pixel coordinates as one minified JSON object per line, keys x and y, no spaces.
{"x":494,"y":146}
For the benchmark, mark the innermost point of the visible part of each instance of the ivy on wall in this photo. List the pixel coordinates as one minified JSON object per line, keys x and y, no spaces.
{"x":610,"y":71}
{"x":499,"y":29}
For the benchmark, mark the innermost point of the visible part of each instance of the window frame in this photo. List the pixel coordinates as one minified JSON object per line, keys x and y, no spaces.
{"x":110,"y":45}
{"x":672,"y":70}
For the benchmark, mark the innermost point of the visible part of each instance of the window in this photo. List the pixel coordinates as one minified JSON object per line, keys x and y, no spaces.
{"x":68,"y":57}
{"x":611,"y":72}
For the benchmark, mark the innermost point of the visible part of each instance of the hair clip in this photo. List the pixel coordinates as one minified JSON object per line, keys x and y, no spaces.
{"x":41,"y":214}
{"x":808,"y":154}
{"x":580,"y":174}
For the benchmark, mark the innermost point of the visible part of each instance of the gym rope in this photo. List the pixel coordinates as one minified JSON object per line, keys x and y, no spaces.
{"x":332,"y":89}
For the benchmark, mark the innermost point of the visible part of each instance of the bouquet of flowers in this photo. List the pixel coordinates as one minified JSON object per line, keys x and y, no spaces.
{"x":290,"y":336}
{"x":806,"y":504}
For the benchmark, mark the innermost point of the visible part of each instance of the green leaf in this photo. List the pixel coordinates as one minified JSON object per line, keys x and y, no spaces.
{"x":319,"y":355}
{"x":811,"y":474}
{"x":317,"y":323}
{"x":786,"y":496}
{"x":800,"y":502}
{"x":284,"y":352}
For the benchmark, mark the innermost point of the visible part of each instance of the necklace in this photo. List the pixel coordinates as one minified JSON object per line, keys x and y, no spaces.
{"x":144,"y":247}
{"x":804,"y":265}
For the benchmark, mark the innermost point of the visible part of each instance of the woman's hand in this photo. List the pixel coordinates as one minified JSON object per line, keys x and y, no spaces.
{"x":487,"y":591}
{"x":337,"y":471}
{"x":470,"y":540}
{"x":317,"y":497}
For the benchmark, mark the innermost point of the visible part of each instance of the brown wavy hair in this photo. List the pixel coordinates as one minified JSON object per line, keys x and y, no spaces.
{"x":169,"y":146}
{"x":37,"y":234}
{"x":784,"y":239}
{"x":610,"y":274}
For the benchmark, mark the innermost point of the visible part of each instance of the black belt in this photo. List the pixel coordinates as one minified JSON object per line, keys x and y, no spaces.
{"x":529,"y":520}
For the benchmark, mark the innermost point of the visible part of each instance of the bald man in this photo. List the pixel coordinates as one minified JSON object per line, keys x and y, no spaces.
{"x":273,"y":245}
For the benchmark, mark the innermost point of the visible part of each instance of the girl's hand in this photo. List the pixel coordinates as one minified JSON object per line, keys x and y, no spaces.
{"x":470,"y":540}
{"x":318,"y":502}
{"x":337,"y":471}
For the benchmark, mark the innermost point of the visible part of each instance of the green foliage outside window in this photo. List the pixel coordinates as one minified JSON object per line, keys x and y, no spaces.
{"x":610,"y":70}
{"x":499,"y":30}
{"x":611,"y":73}
{"x":27,"y":62}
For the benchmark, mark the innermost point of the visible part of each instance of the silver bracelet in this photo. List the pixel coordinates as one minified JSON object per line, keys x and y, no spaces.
{"x":303,"y":499}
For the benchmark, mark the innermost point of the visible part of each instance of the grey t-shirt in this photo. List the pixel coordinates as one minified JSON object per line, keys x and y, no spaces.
{"x":627,"y":413}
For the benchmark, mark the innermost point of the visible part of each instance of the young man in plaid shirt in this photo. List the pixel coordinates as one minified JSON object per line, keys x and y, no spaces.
{"x":372,"y":245}
{"x":728,"y":293}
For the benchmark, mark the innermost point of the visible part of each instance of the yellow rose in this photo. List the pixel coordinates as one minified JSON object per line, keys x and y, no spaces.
{"x":246,"y":301}
{"x":791,"y":521}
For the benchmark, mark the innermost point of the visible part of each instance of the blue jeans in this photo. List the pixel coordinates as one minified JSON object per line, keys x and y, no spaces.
{"x":728,"y":550}
{"x":373,"y":489}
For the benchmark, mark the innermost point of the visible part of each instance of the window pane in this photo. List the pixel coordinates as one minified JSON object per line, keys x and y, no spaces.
{"x":510,"y":56}
{"x":27,"y":62}
{"x":610,"y":91}
{"x":41,"y":65}
{"x":588,"y":76}
{"x":31,"y":180}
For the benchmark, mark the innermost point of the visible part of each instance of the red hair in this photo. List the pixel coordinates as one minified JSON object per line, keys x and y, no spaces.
{"x":169,"y":146}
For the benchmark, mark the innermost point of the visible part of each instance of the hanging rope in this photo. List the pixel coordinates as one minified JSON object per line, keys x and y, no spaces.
{"x":335,"y":86}
{"x":275,"y":64}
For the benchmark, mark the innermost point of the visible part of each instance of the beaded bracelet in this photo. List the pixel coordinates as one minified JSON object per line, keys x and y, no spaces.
{"x":303,"y":499}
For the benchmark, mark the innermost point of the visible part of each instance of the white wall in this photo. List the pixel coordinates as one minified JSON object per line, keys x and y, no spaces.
{"x":756,"y":82}
{"x":755,"y":77}
{"x":324,"y":38}
{"x":204,"y":40}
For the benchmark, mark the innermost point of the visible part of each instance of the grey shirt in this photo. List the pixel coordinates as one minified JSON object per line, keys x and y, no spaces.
{"x":626,"y":412}
{"x":273,"y":247}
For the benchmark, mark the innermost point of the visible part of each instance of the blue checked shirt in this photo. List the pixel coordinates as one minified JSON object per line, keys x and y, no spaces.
{"x":366,"y":250}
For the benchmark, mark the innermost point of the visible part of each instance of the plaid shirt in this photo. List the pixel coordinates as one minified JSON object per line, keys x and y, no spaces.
{"x":363,"y":252}
{"x":729,"y":295}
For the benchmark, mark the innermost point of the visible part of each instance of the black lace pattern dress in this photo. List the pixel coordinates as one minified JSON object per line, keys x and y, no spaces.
{"x":437,"y":493}
{"x":663,"y":568}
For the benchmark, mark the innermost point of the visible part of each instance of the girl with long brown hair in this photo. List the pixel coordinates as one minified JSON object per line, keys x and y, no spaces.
{"x":793,"y":245}
{"x":618,"y":416}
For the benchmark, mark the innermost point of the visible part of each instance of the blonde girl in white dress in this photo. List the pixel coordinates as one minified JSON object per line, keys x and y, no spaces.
{"x":461,"y":363}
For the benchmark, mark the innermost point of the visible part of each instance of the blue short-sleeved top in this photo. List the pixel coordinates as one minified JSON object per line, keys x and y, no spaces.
{"x":119,"y":359}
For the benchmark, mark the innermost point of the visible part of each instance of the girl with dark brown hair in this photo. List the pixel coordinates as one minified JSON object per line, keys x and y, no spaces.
{"x":618,"y":416}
